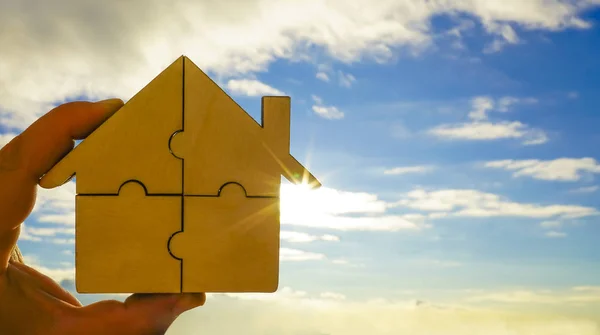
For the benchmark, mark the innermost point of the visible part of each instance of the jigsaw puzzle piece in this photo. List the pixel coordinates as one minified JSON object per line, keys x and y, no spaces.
{"x":221,"y":143}
{"x":122,"y":242}
{"x":132,"y":144}
{"x":230,"y":242}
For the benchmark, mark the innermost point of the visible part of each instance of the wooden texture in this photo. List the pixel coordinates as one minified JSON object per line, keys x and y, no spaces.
{"x":230,"y":243}
{"x":121,"y":242}
{"x":172,"y":228}
{"x":222,"y":143}
{"x":132,"y":144}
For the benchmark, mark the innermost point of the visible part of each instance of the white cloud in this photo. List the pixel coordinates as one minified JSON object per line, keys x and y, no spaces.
{"x":487,"y":131}
{"x":340,"y":210}
{"x":297,"y":237}
{"x":56,"y":209}
{"x":555,"y":234}
{"x":57,"y":274}
{"x":328,"y":112}
{"x":550,"y":224}
{"x":480,"y":129}
{"x":506,"y":35}
{"x":408,"y":169}
{"x":59,"y":200}
{"x":346,"y":79}
{"x":348,"y":223}
{"x":300,"y":312}
{"x":70,"y":53}
{"x":317,"y":99}
{"x":328,"y":200}
{"x":322,"y":76}
{"x":473,"y":203}
{"x":26,"y":236}
{"x":295,"y":255}
{"x":586,"y":189}
{"x":62,"y":241}
{"x":5,"y":138}
{"x":574,"y":295}
{"x":332,"y":295}
{"x":481,"y":105}
{"x":51,"y":231}
{"x":439,"y":263}
{"x":340,"y":261}
{"x":67,"y":219}
{"x":252,"y":88}
{"x":560,"y":169}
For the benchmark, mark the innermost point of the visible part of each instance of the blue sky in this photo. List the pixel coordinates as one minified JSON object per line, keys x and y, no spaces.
{"x":456,"y":144}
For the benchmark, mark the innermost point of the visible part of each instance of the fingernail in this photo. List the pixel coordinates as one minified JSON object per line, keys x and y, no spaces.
{"x":111,"y":104}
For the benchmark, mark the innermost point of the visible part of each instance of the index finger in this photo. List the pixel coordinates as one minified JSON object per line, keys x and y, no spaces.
{"x":31,"y":154}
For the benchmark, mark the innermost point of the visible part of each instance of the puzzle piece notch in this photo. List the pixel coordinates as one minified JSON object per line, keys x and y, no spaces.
{"x":131,"y":144}
{"x":221,"y":142}
{"x":230,"y":242}
{"x":122,"y":242}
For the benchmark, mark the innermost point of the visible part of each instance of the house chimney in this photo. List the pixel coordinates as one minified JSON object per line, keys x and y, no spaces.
{"x":276,"y":124}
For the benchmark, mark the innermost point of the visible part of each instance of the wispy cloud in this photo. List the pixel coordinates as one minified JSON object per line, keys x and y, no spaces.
{"x":488,"y":131}
{"x":481,"y":129}
{"x":26,"y":236}
{"x":252,"y":88}
{"x":585,"y":189}
{"x":505,"y":35}
{"x":293,"y":311}
{"x":574,"y":295}
{"x":295,"y":255}
{"x":483,"y":104}
{"x":550,"y":224}
{"x":326,"y":112}
{"x":560,"y":169}
{"x":326,"y":73}
{"x":81,"y":61}
{"x":555,"y":234}
{"x":297,"y":237}
{"x":322,"y":76}
{"x":346,"y":79}
{"x":473,"y":203}
{"x":438,"y":263}
{"x":328,"y":208}
{"x":409,"y":169}
{"x":51,"y":231}
{"x":57,"y":274}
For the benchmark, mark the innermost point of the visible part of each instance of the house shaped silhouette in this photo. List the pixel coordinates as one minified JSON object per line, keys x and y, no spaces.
{"x":180,"y":137}
{"x":142,"y":142}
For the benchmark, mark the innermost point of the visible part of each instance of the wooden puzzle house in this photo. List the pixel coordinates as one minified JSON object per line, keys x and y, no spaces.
{"x":179,"y":190}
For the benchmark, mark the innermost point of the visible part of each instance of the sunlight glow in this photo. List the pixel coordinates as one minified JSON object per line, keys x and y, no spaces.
{"x":324,"y":207}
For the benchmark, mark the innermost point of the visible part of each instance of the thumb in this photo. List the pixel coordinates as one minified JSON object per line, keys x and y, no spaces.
{"x":139,"y":314}
{"x":156,"y":312}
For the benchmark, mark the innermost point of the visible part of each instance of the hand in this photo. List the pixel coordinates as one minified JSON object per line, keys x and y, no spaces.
{"x":30,"y":302}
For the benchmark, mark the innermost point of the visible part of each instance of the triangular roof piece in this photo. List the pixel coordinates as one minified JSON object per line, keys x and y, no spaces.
{"x":132,"y":144}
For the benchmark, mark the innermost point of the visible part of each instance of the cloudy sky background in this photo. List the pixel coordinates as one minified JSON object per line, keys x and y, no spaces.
{"x":456,"y":141}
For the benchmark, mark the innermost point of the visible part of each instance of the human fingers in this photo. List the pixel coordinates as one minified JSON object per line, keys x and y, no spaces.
{"x":28,"y":156}
{"x":139,"y":314}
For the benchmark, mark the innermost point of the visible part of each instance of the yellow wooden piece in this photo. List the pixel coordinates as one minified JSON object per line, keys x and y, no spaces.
{"x":122,"y":241}
{"x":183,"y":138}
{"x":222,"y":143}
{"x":230,"y":243}
{"x":132,"y":144}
